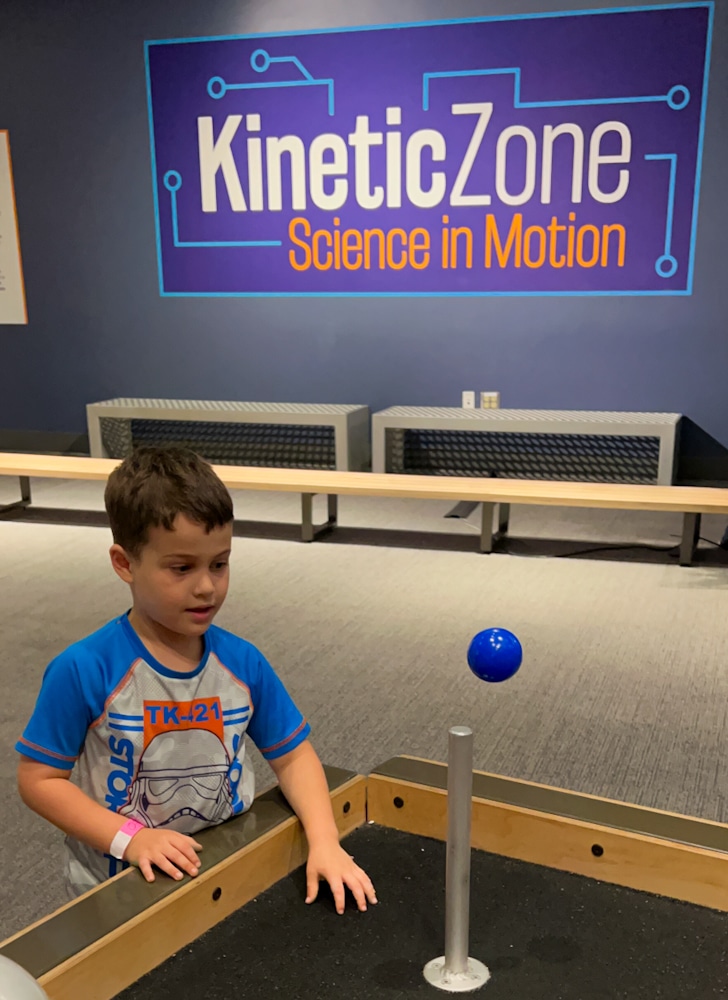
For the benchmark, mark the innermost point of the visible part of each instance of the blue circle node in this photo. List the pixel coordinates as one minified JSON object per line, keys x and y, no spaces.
{"x":666,"y":265}
{"x":678,"y":97}
{"x":216,"y":87}
{"x":173,"y":180}
{"x":260,"y":60}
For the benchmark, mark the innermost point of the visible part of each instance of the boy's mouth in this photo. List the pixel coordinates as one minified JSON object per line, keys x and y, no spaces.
{"x":203,"y":611}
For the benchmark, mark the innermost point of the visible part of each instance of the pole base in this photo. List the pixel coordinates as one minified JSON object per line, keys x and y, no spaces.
{"x":475,"y":976}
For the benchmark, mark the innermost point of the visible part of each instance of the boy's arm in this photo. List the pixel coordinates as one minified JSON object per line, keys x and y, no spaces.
{"x":304,"y":785}
{"x":48,"y":791}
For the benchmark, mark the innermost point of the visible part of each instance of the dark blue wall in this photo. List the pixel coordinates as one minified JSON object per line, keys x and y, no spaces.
{"x":72,"y":93}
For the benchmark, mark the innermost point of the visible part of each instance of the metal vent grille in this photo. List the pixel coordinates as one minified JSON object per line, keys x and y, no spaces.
{"x":288,"y":446}
{"x":580,"y":457}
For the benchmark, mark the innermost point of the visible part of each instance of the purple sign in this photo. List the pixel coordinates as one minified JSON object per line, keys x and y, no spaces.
{"x":554,"y":154}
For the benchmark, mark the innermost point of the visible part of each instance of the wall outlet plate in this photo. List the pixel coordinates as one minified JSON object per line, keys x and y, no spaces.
{"x":468,"y":400}
{"x":490,"y":400}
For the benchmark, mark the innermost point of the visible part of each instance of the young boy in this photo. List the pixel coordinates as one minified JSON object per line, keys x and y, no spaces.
{"x":154,"y":707}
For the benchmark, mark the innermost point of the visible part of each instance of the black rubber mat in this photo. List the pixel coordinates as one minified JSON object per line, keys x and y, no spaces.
{"x":544,"y":935}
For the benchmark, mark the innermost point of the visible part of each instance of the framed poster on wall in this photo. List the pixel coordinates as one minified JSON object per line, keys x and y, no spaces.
{"x":12,"y":289}
{"x":537,"y":154}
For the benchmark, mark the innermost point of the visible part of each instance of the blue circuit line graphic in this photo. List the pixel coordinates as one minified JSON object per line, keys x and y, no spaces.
{"x":261,"y":62}
{"x":666,"y":265}
{"x":677,"y":97}
{"x":173,"y":182}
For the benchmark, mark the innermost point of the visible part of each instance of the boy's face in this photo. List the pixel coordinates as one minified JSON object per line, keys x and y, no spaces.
{"x":180,"y":578}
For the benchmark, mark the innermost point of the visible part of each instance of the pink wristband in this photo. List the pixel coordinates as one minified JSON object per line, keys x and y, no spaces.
{"x":123,"y":838}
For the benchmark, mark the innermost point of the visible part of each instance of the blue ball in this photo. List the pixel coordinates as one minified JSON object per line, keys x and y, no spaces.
{"x":495,"y":655}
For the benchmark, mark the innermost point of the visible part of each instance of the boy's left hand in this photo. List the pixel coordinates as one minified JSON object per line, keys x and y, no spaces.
{"x":331,"y":862}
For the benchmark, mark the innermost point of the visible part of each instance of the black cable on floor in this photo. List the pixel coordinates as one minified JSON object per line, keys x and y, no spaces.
{"x":672,"y":550}
{"x":642,"y":546}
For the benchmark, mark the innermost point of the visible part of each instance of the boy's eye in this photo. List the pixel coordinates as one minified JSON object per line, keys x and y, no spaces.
{"x":221,"y":565}
{"x":180,"y":569}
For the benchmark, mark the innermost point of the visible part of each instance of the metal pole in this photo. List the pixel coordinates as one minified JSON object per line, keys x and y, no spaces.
{"x":455,"y":972}
{"x":457,"y":869}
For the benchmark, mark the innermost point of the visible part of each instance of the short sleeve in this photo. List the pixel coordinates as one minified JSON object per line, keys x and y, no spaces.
{"x":57,"y":728}
{"x":277,"y":726}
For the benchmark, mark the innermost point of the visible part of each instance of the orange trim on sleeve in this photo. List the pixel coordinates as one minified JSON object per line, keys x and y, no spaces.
{"x":48,"y":753}
{"x":288,"y":739}
{"x":114,"y":693}
{"x":237,"y":680}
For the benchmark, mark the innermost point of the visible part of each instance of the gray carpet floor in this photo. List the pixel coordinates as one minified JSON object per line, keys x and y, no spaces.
{"x":622,"y":692}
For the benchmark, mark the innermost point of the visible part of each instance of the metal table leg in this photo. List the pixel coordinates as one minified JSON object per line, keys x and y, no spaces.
{"x":309,"y":531}
{"x":25,"y":497}
{"x":690,"y":536}
{"x":486,"y":529}
{"x":504,"y":514}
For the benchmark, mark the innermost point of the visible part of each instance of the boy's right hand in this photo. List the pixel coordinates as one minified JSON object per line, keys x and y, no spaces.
{"x":173,"y":853}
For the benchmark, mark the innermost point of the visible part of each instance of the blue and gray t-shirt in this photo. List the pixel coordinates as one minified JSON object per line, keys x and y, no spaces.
{"x":162,"y":747}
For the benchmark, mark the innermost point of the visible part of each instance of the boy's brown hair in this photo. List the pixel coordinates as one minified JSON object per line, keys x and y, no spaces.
{"x":153,"y":485}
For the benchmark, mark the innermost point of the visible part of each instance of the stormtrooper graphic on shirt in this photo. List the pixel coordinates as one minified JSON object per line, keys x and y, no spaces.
{"x":183,"y":797}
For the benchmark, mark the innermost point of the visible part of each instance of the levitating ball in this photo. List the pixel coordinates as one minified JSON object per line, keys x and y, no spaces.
{"x":495,"y":655}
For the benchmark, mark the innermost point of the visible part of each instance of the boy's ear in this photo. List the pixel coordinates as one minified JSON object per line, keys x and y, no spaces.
{"x":121,"y":563}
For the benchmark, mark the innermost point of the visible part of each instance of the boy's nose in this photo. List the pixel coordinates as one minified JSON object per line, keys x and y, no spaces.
{"x":205,"y":587}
